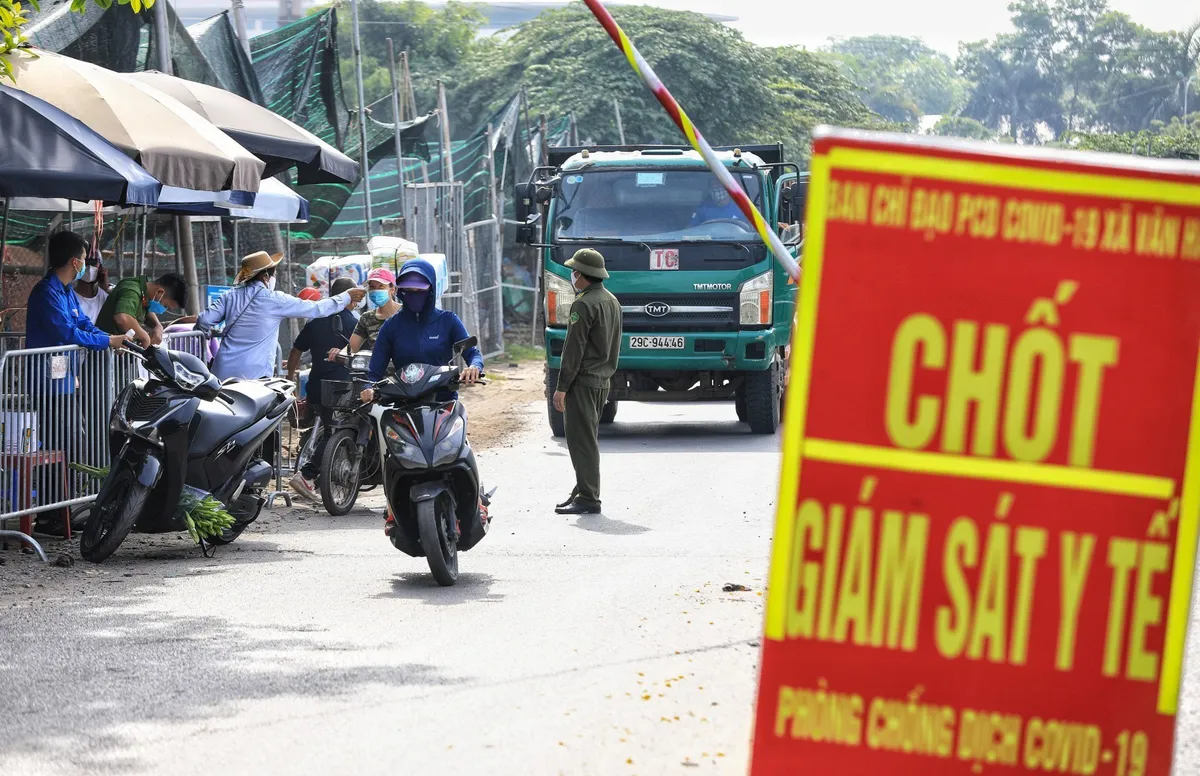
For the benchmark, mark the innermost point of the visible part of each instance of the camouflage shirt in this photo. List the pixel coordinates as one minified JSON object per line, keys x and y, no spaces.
{"x":368,"y":328}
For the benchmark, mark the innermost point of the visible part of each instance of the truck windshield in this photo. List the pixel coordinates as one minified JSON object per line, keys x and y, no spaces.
{"x":653,"y":206}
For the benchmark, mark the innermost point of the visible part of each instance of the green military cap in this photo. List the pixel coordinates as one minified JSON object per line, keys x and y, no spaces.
{"x":588,"y":262}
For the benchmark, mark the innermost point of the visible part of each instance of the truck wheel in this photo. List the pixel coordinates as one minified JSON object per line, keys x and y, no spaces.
{"x":558,"y":425}
{"x":609,"y":413}
{"x":762,"y":400}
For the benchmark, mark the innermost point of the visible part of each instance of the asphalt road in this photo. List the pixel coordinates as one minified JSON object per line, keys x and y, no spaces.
{"x":590,"y":645}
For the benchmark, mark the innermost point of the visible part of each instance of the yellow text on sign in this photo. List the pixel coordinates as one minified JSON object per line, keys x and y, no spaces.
{"x":1014,"y":384}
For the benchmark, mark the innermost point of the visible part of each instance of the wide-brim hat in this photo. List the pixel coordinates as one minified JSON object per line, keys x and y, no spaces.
{"x":588,"y":262}
{"x":257,"y":262}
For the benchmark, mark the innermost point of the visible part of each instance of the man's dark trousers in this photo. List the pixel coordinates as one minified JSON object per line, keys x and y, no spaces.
{"x":582,"y":420}
{"x":312,"y":467}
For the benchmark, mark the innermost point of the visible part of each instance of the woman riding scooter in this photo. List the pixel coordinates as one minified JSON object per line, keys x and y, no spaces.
{"x":420,"y":333}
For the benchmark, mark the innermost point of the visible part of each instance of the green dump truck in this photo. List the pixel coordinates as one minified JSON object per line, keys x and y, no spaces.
{"x":706,"y":309}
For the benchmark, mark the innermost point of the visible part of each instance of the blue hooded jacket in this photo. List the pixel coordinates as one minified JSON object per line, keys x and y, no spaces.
{"x":427,"y":337}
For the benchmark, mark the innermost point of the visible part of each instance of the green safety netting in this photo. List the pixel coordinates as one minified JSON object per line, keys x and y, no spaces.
{"x":297,"y":66}
{"x":511,"y":144}
{"x":217,"y":41}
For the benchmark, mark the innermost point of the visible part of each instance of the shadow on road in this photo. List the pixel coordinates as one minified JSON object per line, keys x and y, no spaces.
{"x":606,"y":525}
{"x":76,"y":674}
{"x":420,"y":586}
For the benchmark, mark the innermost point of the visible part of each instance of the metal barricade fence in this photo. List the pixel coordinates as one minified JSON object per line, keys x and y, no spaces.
{"x":54,"y":417}
{"x":54,"y":406}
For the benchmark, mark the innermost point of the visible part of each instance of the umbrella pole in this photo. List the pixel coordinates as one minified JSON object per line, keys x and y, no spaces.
{"x":207,"y":256}
{"x":140,"y":261}
{"x":186,"y":252}
{"x":178,"y":240}
{"x":365,"y":163}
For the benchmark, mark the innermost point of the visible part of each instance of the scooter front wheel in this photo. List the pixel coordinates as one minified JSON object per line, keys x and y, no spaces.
{"x":340,"y":474}
{"x":440,"y":552}
{"x":112,"y":519}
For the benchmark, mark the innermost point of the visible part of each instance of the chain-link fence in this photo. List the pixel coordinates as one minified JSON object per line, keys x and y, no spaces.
{"x":483,"y":251}
{"x":434,"y":221}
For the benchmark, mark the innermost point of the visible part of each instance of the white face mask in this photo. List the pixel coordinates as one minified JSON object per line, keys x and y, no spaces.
{"x":271,"y":283}
{"x":90,"y":274}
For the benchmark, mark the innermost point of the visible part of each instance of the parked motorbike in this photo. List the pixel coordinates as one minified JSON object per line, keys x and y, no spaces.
{"x":350,"y":464}
{"x":182,"y":429}
{"x":436,"y":504}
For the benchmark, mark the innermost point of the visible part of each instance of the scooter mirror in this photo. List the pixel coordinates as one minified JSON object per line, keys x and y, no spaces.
{"x":462,"y":345}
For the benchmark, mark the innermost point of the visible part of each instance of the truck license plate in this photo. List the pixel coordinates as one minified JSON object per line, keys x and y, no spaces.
{"x":656,"y":343}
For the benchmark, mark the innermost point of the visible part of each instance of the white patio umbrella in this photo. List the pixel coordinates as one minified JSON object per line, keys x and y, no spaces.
{"x":173,"y":143}
{"x":282,"y":144}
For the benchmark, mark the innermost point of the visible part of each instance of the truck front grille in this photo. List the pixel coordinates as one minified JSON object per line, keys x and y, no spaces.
{"x":692,"y":312}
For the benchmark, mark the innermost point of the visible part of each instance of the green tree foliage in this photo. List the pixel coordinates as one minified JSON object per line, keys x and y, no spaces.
{"x":14,"y":15}
{"x":1176,"y":140}
{"x":902,"y":79}
{"x":437,"y":41}
{"x":961,"y":126}
{"x":735,"y":91}
{"x":809,"y":90}
{"x":1077,"y":66}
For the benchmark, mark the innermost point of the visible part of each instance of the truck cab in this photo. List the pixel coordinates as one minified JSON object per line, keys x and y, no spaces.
{"x":706,"y":309}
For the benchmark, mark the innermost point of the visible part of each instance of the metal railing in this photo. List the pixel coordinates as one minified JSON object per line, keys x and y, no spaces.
{"x":54,"y":416}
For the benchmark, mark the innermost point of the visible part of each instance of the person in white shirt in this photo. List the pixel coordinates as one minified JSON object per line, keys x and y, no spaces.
{"x":92,"y":289}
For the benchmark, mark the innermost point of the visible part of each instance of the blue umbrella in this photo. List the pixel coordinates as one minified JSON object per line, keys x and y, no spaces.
{"x":274,"y":202}
{"x":47,"y":153}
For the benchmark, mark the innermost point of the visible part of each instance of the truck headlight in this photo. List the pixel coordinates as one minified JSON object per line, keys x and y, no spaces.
{"x":754,"y":300}
{"x":560,"y":295}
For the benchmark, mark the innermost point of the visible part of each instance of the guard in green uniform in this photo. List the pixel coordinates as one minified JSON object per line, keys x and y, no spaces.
{"x":588,"y":361}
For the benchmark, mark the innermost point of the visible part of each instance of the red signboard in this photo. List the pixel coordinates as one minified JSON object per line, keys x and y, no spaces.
{"x":991,"y":475}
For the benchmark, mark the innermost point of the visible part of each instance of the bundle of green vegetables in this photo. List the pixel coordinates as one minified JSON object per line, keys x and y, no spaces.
{"x":204,"y":516}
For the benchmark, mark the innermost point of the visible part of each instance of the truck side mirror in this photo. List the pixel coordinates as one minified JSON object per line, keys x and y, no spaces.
{"x":787,"y":205}
{"x":524,"y":200}
{"x":527,"y":212}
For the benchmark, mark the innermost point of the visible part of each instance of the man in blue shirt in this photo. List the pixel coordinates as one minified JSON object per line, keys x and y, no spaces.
{"x":420,"y":333}
{"x":719,"y":206}
{"x":55,"y":318}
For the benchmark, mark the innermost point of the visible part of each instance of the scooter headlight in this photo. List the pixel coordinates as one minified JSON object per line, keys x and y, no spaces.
{"x":360,"y":362}
{"x":447,"y":447}
{"x":402,"y":445}
{"x":187,"y":379}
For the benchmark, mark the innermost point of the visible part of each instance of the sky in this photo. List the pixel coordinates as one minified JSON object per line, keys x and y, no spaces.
{"x":940,"y":23}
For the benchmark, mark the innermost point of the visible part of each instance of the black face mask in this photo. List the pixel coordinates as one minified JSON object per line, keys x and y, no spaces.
{"x":415,"y":301}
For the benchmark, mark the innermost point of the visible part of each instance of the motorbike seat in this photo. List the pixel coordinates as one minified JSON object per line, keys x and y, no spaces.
{"x":239,"y":405}
{"x":251,"y":399}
